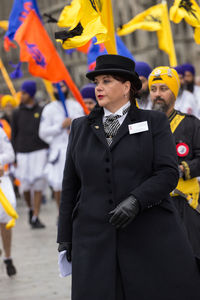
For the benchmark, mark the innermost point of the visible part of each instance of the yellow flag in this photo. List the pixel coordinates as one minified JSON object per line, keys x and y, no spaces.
{"x":165,"y":38}
{"x":150,"y":20}
{"x":154,"y":19}
{"x":69,"y":14}
{"x":197,"y":35}
{"x":188,"y":10}
{"x":4,"y":25}
{"x":84,"y":20}
{"x":108,"y":21}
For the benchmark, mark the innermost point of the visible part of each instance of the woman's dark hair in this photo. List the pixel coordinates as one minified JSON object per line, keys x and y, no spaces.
{"x":132,"y":88}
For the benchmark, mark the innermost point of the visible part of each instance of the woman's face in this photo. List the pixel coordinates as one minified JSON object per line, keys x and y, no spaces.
{"x":111,"y":93}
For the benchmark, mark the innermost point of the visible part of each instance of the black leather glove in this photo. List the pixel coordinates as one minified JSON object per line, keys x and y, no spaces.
{"x":125,"y":212}
{"x":66,"y":246}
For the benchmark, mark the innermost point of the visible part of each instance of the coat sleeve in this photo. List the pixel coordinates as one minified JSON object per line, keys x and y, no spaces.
{"x":164,"y":177}
{"x":192,"y":167}
{"x":70,"y":187}
{"x":7,"y":154}
{"x":48,"y":130}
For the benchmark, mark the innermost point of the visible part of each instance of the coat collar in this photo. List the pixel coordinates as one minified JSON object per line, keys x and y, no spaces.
{"x":98,"y":112}
{"x":95,"y":121}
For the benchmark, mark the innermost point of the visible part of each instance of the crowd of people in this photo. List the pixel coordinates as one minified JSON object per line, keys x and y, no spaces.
{"x":33,"y":149}
{"x":34,"y":142}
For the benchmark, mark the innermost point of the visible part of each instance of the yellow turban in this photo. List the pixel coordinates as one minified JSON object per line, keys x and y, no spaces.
{"x":8,"y":99}
{"x":165,"y":75}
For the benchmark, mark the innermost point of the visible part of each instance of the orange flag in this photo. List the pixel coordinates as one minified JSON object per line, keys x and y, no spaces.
{"x":37,"y":49}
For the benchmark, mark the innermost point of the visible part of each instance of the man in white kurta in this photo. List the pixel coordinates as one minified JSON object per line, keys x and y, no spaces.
{"x":7,"y":156}
{"x":143,"y":69}
{"x":54,"y":130}
{"x":186,"y":103}
{"x":189,"y":78}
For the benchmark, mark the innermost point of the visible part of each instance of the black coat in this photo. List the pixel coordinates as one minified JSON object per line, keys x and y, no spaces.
{"x":152,"y":252}
{"x":188,"y":132}
{"x":25,"y":127}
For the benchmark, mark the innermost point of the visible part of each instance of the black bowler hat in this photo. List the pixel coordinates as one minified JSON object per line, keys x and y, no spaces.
{"x":112,"y":64}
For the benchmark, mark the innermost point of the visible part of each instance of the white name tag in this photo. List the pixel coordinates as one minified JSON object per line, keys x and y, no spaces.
{"x":138,"y":127}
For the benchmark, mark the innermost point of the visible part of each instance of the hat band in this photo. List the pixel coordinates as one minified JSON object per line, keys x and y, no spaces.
{"x":109,"y":66}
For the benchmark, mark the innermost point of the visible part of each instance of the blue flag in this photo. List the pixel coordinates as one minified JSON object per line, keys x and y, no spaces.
{"x":99,"y":49}
{"x":20,"y":10}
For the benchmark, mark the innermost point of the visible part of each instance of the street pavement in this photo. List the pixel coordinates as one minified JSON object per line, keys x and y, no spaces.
{"x":34,"y":252}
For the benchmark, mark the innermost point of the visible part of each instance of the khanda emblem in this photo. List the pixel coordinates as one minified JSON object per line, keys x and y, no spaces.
{"x":187,"y":5}
{"x":95,"y":4}
{"x":151,"y":18}
{"x":36,"y":54}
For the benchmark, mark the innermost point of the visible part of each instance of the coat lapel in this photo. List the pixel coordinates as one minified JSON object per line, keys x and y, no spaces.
{"x":98,"y":129}
{"x":132,"y":116}
{"x":95,"y":121}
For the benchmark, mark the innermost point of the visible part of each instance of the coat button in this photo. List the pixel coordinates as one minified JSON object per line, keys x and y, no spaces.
{"x":111,"y":201}
{"x":107,"y":160}
{"x":107,"y":170}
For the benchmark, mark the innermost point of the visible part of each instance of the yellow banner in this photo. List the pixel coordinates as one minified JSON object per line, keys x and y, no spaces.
{"x":108,"y":21}
{"x":165,"y":37}
{"x":85,"y":22}
{"x":150,"y":20}
{"x":154,"y":19}
{"x":190,"y":12}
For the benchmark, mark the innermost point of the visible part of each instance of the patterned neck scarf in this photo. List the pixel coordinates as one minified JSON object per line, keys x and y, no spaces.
{"x":111,"y":125}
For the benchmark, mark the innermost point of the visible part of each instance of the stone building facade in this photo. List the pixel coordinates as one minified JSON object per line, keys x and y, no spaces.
{"x":142,"y":44}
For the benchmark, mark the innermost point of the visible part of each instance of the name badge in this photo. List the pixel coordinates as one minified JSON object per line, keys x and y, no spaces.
{"x":138,"y":127}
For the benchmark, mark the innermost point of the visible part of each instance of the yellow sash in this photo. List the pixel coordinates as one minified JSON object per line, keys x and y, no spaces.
{"x":175,"y":122}
{"x":190,"y":186}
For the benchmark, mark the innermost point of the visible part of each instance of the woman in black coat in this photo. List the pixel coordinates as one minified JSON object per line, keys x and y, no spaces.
{"x":117,"y":222}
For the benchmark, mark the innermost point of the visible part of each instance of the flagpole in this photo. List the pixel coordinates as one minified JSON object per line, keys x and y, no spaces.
{"x":172,"y":57}
{"x":7,"y":78}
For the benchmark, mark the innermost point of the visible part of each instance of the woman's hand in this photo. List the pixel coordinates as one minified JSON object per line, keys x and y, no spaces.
{"x":68,"y":247}
{"x":125,"y":212}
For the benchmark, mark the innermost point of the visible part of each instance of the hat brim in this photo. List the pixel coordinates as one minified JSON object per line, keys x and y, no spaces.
{"x":130,"y":76}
